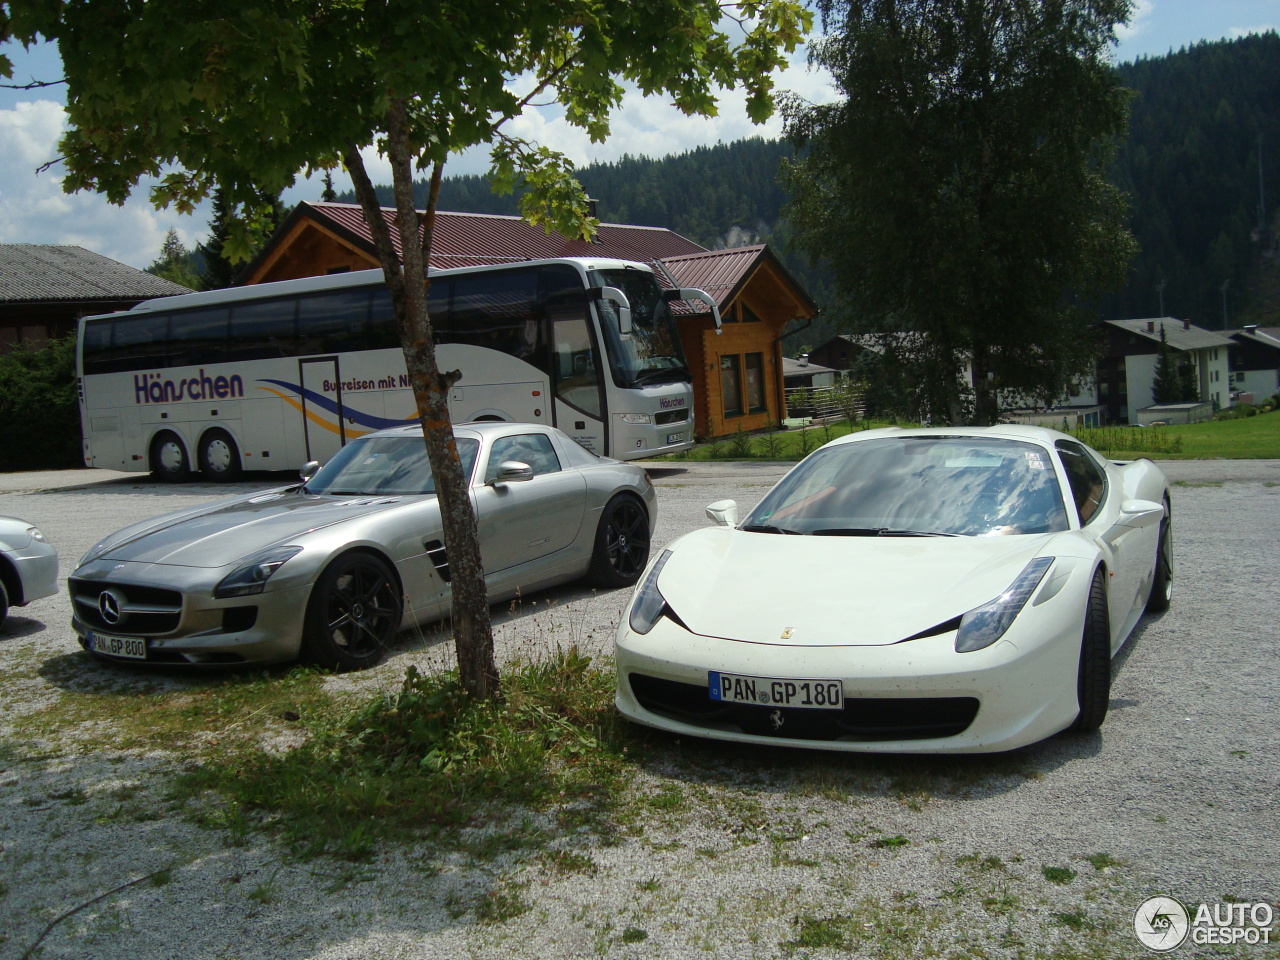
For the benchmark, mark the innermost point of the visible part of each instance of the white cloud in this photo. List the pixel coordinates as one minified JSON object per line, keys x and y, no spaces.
{"x":34,"y":209}
{"x":1236,"y":33}
{"x":1143,"y":10}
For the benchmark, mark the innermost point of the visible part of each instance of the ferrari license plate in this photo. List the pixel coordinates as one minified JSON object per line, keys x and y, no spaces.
{"x":776,"y":692}
{"x":675,"y":437}
{"x":129,"y":647}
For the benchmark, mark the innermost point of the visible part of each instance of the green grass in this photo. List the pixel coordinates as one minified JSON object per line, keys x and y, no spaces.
{"x":1246,"y":438}
{"x":429,"y":757}
{"x":783,"y":445}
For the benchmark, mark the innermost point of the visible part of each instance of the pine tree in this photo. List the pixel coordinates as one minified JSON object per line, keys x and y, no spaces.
{"x":1188,"y":381}
{"x":174,"y":263}
{"x":1166,"y":386}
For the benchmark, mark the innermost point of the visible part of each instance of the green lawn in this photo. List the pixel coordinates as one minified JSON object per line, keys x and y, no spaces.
{"x":1249,"y":438}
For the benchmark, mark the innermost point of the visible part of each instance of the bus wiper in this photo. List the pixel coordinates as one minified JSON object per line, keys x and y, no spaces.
{"x":768,"y":528}
{"x":878,"y":532}
{"x":670,"y":375}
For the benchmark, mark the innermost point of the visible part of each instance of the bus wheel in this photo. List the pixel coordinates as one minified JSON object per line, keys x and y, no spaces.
{"x":169,"y":458}
{"x":219,"y":458}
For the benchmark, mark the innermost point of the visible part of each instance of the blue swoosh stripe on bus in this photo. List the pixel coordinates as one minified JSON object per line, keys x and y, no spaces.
{"x":324,"y":403}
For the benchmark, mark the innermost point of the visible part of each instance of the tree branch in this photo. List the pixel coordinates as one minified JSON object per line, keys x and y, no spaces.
{"x":33,"y":85}
{"x":367,"y":197}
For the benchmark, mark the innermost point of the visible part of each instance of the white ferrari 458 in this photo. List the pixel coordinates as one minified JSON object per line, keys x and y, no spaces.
{"x":925,"y":591}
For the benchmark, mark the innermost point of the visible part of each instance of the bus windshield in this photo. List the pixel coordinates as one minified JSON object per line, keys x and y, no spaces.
{"x":653,"y":354}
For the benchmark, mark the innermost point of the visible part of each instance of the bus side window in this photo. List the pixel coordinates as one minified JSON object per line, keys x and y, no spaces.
{"x":263,"y":331}
{"x":199,"y":336}
{"x":97,"y":346}
{"x":496,"y":311}
{"x":384,"y":332}
{"x":141,"y":342}
{"x":334,"y":322}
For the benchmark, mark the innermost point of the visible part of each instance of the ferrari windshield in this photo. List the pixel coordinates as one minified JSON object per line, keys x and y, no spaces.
{"x":653,"y":353}
{"x":384,"y":466}
{"x":917,"y":486}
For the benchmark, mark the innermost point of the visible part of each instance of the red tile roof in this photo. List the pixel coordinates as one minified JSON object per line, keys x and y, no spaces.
{"x":474,"y":239}
{"x":720,"y":273}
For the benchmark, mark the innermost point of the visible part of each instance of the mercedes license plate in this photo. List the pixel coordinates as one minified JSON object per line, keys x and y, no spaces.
{"x":776,"y":692}
{"x":130,"y":647}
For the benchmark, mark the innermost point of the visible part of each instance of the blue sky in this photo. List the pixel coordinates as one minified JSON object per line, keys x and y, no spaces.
{"x":33,"y":208}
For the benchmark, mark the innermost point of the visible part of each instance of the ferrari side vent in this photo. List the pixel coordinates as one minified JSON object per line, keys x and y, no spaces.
{"x":436,"y":554}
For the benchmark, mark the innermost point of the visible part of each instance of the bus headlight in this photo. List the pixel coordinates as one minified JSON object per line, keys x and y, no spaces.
{"x":637,"y":418}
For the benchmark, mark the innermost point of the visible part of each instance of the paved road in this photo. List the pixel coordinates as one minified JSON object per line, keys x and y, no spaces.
{"x":1180,"y":787}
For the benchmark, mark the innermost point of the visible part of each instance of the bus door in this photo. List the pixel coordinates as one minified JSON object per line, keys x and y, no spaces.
{"x":322,"y":410}
{"x":577,"y":371}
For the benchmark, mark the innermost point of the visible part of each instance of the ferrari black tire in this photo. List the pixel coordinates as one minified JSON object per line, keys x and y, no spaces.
{"x":353,"y":614}
{"x":1162,"y":583}
{"x":622,"y":543}
{"x":169,"y":460}
{"x":1093,"y":681}
{"x":219,"y":457}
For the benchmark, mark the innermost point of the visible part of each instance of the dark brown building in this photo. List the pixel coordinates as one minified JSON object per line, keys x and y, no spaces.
{"x":45,"y":289}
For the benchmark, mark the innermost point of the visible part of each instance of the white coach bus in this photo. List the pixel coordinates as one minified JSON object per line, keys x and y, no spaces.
{"x":269,"y":376}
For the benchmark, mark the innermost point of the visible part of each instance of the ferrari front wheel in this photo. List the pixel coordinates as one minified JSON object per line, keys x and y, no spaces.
{"x":1162,"y":579}
{"x":1093,"y":679}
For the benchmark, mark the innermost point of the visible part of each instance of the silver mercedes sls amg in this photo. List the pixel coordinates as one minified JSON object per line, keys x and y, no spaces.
{"x":331,"y":569}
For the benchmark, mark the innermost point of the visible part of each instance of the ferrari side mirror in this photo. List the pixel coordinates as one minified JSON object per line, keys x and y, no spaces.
{"x":723,"y":512}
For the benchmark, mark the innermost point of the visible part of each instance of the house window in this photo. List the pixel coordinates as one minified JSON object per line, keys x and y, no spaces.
{"x":755,"y":382}
{"x":731,"y":384}
{"x":748,"y":315}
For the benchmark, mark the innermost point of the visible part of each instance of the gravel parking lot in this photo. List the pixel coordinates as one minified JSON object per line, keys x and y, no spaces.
{"x":1046,"y":851}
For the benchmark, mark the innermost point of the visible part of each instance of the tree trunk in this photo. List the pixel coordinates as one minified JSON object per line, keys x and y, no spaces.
{"x":407,"y":279}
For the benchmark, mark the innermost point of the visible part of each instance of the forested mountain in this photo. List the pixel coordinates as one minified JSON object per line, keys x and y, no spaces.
{"x":1190,"y":165}
{"x":716,"y":196}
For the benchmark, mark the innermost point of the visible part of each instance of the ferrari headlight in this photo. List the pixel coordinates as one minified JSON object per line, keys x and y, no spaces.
{"x":982,"y":626}
{"x":648,"y":604}
{"x":252,"y":575}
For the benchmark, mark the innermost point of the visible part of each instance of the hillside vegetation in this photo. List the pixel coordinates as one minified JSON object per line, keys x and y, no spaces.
{"x":1190,"y":164}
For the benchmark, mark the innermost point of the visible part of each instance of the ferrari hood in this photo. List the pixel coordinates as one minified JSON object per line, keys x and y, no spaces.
{"x":834,"y":591}
{"x":214,"y":538}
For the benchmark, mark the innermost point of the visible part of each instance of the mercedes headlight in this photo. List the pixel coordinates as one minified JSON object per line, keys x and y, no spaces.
{"x":982,"y":626}
{"x":252,"y":575}
{"x":648,"y":605}
{"x":636,"y":418}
